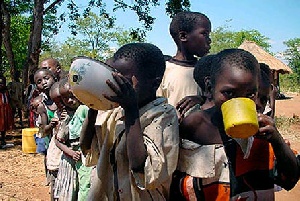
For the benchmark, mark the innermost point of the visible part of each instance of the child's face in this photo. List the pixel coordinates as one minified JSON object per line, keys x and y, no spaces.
{"x":143,"y":87}
{"x":68,"y":99}
{"x":43,"y":80}
{"x":57,"y":100}
{"x":232,"y":83}
{"x":263,"y":96}
{"x":34,"y":104}
{"x":197,"y":42}
{"x":50,"y":65}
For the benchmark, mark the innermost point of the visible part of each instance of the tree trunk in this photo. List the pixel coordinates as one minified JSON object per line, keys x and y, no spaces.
{"x":34,"y":43}
{"x":7,"y":39}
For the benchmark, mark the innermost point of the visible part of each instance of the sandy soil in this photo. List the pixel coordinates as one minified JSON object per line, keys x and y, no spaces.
{"x":22,"y":175}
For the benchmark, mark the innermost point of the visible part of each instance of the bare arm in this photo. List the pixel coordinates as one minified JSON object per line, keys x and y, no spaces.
{"x":273,"y":95}
{"x":136,"y":150}
{"x":127,"y":99}
{"x":286,"y":160}
{"x":45,"y":129}
{"x":88,"y":131}
{"x":75,"y":155}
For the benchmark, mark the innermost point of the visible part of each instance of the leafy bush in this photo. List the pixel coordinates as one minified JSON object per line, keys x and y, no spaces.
{"x":289,"y":83}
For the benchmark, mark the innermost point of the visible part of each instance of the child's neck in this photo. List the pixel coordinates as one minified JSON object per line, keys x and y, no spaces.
{"x":184,"y":60}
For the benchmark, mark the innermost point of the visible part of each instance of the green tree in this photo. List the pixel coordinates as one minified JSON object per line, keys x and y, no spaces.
{"x":45,"y":20}
{"x":292,"y":55}
{"x":96,"y":38}
{"x":223,"y":38}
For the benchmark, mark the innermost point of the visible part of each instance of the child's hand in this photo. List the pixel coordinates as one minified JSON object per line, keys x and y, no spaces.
{"x":63,"y":115}
{"x":54,"y":122}
{"x":187,"y":103}
{"x":267,"y":129}
{"x":75,"y":155}
{"x":125,"y":93}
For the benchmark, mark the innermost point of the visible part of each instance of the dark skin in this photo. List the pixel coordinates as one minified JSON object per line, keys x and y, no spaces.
{"x":133,"y":92}
{"x":70,"y":104}
{"x":189,"y":45}
{"x":44,"y":81}
{"x":54,"y":66}
{"x":232,"y":83}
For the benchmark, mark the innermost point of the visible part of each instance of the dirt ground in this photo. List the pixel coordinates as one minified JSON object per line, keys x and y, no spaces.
{"x":22,"y":175}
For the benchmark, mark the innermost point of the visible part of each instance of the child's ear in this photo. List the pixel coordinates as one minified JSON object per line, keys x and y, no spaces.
{"x":182,"y":36}
{"x":207,"y":83}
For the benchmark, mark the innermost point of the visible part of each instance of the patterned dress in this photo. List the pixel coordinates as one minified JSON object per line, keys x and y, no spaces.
{"x":73,"y":179}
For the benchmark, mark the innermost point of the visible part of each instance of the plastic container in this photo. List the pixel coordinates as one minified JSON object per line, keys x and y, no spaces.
{"x":28,"y":142}
{"x":240,"y":117}
{"x":87,"y":78}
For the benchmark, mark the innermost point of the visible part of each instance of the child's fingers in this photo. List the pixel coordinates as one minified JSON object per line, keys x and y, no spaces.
{"x":264,"y":120}
{"x":134,"y":81}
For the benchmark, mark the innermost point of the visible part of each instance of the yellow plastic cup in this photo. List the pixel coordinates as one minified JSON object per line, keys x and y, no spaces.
{"x":240,"y":117}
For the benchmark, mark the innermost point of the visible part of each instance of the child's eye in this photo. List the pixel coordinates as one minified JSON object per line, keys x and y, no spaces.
{"x":228,"y":94}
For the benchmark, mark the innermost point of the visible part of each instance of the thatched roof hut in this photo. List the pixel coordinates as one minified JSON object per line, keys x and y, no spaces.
{"x":264,"y":57}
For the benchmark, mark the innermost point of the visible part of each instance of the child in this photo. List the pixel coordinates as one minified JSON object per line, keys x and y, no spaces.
{"x":212,"y":164}
{"x":16,"y":90}
{"x":44,"y":79}
{"x":73,"y":179}
{"x":190,"y":32}
{"x":270,"y":105}
{"x":6,"y":120}
{"x":53,"y":152}
{"x":53,"y":65}
{"x":202,"y":77}
{"x":30,"y":93}
{"x":138,"y":141}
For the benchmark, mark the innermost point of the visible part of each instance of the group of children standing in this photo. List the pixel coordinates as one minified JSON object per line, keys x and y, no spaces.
{"x":166,"y":140}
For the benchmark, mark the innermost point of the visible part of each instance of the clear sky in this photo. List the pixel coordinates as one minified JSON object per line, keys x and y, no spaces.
{"x":278,"y":20}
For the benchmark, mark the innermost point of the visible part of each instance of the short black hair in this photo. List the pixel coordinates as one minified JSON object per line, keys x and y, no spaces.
{"x":45,"y":70}
{"x":185,"y":21}
{"x":63,"y":83}
{"x":148,"y":58}
{"x":203,"y":69}
{"x":265,"y":72}
{"x":236,"y":58}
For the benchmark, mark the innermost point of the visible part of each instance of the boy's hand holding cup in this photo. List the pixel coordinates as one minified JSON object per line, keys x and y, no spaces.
{"x":240,"y":117}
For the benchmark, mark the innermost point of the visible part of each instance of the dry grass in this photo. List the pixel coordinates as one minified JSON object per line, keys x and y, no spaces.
{"x":289,"y":127}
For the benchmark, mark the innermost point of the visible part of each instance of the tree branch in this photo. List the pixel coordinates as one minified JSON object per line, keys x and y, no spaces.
{"x":52,"y":5}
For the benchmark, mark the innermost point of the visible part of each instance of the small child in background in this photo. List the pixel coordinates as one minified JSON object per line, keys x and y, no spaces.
{"x":6,"y":115}
{"x":44,"y":79}
{"x":31,"y":92}
{"x":73,"y":179}
{"x":54,"y":153}
{"x":212,"y":164}
{"x":16,"y":92}
{"x":190,"y":32}
{"x":266,"y":83}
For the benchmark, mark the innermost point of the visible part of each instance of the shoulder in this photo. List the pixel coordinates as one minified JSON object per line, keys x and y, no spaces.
{"x":193,"y":121}
{"x":158,"y":112}
{"x":159,"y":107}
{"x":41,"y":108}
